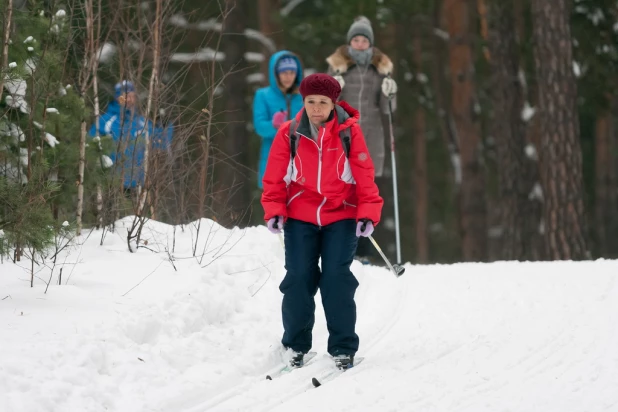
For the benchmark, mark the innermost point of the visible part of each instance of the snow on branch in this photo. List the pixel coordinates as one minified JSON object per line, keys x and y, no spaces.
{"x":204,"y":54}
{"x":287,"y":9}
{"x":213,"y":25}
{"x":207,"y":54}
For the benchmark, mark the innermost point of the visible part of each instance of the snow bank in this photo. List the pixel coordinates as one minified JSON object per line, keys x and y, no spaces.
{"x":170,"y":329}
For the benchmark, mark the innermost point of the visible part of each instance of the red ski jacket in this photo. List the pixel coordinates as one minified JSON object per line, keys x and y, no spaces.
{"x":321,"y":185}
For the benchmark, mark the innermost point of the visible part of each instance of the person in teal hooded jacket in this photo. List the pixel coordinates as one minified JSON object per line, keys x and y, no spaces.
{"x":277,"y":103}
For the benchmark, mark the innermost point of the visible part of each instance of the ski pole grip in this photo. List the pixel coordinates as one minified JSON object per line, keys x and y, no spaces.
{"x":364,"y":225}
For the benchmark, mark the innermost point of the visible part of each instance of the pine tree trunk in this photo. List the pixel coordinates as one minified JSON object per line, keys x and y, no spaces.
{"x":420,"y":166}
{"x":97,"y":114}
{"x":612,"y":205}
{"x":267,"y":10}
{"x":605,"y":186}
{"x":534,"y":207}
{"x":461,"y":63}
{"x":8,"y":13}
{"x":80,"y":177}
{"x":560,"y":152}
{"x":234,"y":198}
{"x":483,"y":11}
{"x":151,"y":104}
{"x":204,"y":161}
{"x":509,"y":131}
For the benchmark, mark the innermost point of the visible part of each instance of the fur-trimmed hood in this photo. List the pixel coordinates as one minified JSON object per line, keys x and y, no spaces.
{"x":340,"y":61}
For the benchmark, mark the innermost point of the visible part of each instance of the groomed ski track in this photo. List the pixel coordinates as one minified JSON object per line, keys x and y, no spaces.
{"x":466,"y":337}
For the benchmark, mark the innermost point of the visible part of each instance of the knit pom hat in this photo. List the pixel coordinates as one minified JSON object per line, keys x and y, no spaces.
{"x":123,"y":87}
{"x":361,"y":27}
{"x":286,"y":63}
{"x":321,"y":84}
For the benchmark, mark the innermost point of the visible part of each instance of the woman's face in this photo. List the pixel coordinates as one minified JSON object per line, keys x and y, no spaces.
{"x":287,"y":78}
{"x":360,"y":43}
{"x":318,"y":108}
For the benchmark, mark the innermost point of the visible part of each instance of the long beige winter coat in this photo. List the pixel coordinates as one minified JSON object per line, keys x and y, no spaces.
{"x":363,"y":91}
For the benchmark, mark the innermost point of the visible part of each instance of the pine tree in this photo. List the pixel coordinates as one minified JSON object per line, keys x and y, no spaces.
{"x":39,"y":131}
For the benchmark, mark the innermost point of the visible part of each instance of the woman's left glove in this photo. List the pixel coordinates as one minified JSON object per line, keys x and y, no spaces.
{"x":275,"y":224}
{"x":364,"y":228}
{"x":389,"y":87}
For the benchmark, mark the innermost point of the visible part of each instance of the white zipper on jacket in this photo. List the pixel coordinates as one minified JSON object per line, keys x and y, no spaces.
{"x":294,"y":197}
{"x":319,"y":146}
{"x":320,"y":176}
{"x":320,"y":162}
{"x":319,"y":208}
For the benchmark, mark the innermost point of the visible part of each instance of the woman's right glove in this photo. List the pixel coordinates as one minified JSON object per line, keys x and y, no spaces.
{"x":275,"y":224}
{"x":389,"y":87}
{"x":364,"y":228}
{"x":279,"y":118}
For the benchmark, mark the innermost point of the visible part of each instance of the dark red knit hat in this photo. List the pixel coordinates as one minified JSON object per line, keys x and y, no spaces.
{"x":322,"y":84}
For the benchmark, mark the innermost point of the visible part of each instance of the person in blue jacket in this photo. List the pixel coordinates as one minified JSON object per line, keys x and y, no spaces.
{"x":276,"y":103}
{"x":129,"y":129}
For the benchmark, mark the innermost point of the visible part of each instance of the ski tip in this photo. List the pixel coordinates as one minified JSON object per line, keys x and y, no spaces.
{"x":315,"y":382}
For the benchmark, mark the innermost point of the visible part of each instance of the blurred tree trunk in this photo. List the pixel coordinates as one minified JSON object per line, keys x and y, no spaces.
{"x":271,"y":28}
{"x":483,"y":11}
{"x":509,"y":131}
{"x":606,"y":202}
{"x":232,"y":194}
{"x":420,"y":165}
{"x":534,"y":208}
{"x":560,"y":153}
{"x":612,"y":206}
{"x":448,"y":134}
{"x":461,"y":63}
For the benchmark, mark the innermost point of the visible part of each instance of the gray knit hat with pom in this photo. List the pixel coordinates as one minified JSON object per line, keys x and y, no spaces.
{"x":362,"y":27}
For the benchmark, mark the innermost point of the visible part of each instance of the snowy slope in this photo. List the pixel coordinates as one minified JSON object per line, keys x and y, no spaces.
{"x":161,"y":330}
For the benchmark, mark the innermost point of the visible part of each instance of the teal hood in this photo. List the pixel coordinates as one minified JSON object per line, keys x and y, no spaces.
{"x":272,"y":77}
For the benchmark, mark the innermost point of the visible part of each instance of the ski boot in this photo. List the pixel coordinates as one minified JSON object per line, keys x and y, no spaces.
{"x":296,"y":361}
{"x":344,"y":362}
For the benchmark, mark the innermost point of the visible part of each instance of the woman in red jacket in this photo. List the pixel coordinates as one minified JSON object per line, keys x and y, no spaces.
{"x":323,"y":199}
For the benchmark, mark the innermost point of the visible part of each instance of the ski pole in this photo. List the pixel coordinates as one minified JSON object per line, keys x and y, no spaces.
{"x":281,"y":240}
{"x":396,"y":269}
{"x":395,"y":196}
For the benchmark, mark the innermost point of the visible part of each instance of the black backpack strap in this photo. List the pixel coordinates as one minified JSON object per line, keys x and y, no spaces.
{"x":293,"y":138}
{"x":345,"y":135}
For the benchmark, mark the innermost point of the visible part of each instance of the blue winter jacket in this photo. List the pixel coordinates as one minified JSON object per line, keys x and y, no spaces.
{"x":270,"y":100}
{"x":129,"y":135}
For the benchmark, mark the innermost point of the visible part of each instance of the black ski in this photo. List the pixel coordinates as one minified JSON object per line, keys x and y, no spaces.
{"x":332,"y":374}
{"x":289,"y":368}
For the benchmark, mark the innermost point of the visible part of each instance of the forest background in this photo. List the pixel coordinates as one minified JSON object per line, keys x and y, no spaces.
{"x":505,"y":134}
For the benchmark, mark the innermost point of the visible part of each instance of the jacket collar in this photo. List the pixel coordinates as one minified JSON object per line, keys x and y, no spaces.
{"x":340,"y":61}
{"x":342,"y":117}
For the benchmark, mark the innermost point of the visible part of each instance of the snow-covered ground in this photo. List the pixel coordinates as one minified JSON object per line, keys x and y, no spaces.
{"x":163,"y":330}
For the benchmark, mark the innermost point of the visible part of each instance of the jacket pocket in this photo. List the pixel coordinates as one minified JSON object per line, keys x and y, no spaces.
{"x":346,"y":204}
{"x":294,"y":197}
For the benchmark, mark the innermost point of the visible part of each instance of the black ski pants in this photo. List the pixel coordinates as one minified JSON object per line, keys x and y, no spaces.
{"x":305,"y":244}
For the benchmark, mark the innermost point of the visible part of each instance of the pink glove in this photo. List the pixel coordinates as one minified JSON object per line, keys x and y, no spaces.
{"x":275,"y":224}
{"x":279,"y":118}
{"x":364,"y":228}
